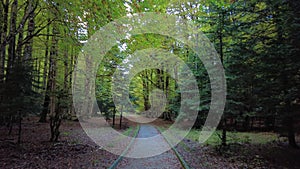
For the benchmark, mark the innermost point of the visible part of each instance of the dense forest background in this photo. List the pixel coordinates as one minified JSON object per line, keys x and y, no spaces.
{"x":258,"y":43}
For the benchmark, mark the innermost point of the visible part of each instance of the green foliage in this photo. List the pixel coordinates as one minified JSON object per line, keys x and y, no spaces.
{"x":236,"y":137}
{"x":258,"y":43}
{"x":19,"y":92}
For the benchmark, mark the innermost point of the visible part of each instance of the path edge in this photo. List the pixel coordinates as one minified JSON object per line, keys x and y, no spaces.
{"x":114,"y":165}
{"x":181,"y":160}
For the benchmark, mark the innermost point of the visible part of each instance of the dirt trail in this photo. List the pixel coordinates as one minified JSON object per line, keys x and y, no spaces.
{"x":165,"y":160}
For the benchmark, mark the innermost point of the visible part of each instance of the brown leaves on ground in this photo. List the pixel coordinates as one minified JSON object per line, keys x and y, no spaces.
{"x":76,"y":150}
{"x":258,"y":156}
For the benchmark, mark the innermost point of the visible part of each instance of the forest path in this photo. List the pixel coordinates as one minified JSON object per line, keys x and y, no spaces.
{"x":165,"y":160}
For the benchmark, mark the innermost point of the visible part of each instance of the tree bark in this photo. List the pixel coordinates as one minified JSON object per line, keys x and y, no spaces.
{"x":114,"y":116}
{"x":3,"y":43}
{"x":46,"y":84}
{"x":224,"y":133}
{"x":54,"y":115}
{"x":224,"y":127}
{"x":291,"y":134}
{"x":31,"y":29}
{"x":20,"y":127}
{"x":12,"y":37}
{"x":43,"y":115}
{"x":289,"y":122}
{"x":19,"y":44}
{"x":145,"y":92}
{"x":121,"y":117}
{"x":66,"y":78}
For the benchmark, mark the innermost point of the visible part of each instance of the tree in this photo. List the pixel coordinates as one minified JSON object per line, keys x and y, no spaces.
{"x":18,"y":84}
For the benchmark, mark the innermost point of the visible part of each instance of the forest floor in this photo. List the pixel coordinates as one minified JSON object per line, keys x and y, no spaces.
{"x":76,"y":150}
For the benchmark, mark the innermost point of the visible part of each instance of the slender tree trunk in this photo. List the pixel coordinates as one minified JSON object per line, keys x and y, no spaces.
{"x":160,"y":84}
{"x":20,"y":127}
{"x":10,"y":124}
{"x":12,"y":41}
{"x":4,"y":28}
{"x":38,"y":77}
{"x":46,"y":84}
{"x":31,"y":28}
{"x":114,"y":116}
{"x":27,"y":59}
{"x":88,"y":87}
{"x":43,"y":115}
{"x":72,"y":77}
{"x":71,"y":66}
{"x":295,"y":43}
{"x":224,"y":127}
{"x":167,"y":79}
{"x":284,"y":77}
{"x":289,"y":122}
{"x":291,"y":134}
{"x":145,"y":92}
{"x":221,"y":36}
{"x":19,"y":44}
{"x":46,"y":58}
{"x":66,"y":77}
{"x":224,"y":133}
{"x":1,"y":42}
{"x":54,"y":115}
{"x":121,"y":117}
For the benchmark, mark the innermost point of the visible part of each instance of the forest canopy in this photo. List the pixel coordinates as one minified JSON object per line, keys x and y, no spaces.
{"x":257,"y":41}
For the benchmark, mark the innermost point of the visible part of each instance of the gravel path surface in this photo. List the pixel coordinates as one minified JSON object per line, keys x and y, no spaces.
{"x":165,"y":160}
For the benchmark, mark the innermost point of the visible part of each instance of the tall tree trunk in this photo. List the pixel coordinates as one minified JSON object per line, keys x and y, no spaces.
{"x":160,"y":84}
{"x":19,"y":44}
{"x":121,"y":117}
{"x":66,"y":77}
{"x":20,"y":127}
{"x":89,"y":84}
{"x":27,"y":55}
{"x":43,"y":115}
{"x":72,"y":77}
{"x":54,"y":117}
{"x":31,"y":28}
{"x":12,"y":38}
{"x":288,"y":122}
{"x":291,"y":133}
{"x":167,"y":81}
{"x":146,"y":92}
{"x":295,"y":42}
{"x":71,"y":67}
{"x":285,"y":76}
{"x":38,"y":77}
{"x":114,"y":116}
{"x":3,"y":43}
{"x":45,"y":72}
{"x":224,"y":132}
{"x":220,"y":32}
{"x":46,"y":84}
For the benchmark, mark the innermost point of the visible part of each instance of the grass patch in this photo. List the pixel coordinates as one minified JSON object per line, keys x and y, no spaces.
{"x":236,"y":137}
{"x":65,"y":133}
{"x":128,"y":131}
{"x":232,"y":137}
